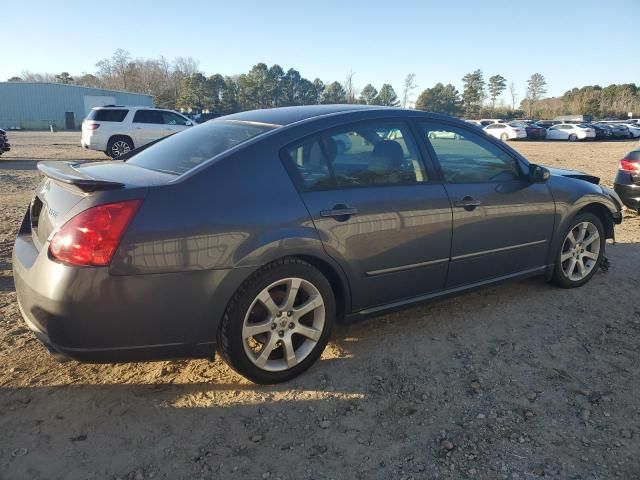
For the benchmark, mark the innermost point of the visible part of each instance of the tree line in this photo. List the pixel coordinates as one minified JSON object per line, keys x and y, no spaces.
{"x":181,"y":85}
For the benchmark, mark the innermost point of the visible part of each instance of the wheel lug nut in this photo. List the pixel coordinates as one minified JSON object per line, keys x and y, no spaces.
{"x":291,"y":325}
{"x":281,"y":333}
{"x":273,"y":326}
{"x":279,"y":314}
{"x":289,"y":313}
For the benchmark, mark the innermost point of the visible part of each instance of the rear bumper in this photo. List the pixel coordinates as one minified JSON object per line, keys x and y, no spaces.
{"x":93,"y":142}
{"x":629,"y":194}
{"x":90,"y":315}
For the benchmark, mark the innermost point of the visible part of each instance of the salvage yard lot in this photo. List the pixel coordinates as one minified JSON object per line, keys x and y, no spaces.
{"x":518,"y":381}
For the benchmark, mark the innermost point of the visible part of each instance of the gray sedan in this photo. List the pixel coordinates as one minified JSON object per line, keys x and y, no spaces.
{"x":253,"y":233}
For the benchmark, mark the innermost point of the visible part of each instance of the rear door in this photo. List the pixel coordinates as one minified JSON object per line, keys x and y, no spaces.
{"x":502,"y":223}
{"x":377,"y":210}
{"x":148,"y":125}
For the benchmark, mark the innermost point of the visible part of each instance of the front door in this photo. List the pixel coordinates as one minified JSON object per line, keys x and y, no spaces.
{"x":502,"y":223}
{"x":376,"y":209}
{"x":174,"y":123}
{"x":148,"y":125}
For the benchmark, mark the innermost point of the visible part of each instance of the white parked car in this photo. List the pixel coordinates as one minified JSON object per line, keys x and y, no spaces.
{"x":570,"y":131}
{"x":634,"y":130}
{"x":116,"y":130}
{"x":444,"y":135}
{"x":505,"y":132}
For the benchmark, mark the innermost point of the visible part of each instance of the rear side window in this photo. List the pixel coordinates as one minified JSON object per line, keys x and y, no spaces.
{"x":148,"y":116}
{"x":180,"y":153}
{"x":360,"y":155}
{"x":109,"y":115}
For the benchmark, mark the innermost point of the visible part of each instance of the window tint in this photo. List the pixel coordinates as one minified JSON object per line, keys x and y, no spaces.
{"x":107,"y":115}
{"x":148,"y":116}
{"x":466,"y":157}
{"x":170,"y":118}
{"x":180,"y":153}
{"x":359,"y":155}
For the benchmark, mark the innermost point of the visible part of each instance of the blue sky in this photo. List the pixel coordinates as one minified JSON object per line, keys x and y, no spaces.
{"x":572,"y":43}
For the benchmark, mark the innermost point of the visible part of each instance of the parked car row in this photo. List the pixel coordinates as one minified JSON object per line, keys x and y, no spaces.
{"x":556,"y":129}
{"x":4,"y":143}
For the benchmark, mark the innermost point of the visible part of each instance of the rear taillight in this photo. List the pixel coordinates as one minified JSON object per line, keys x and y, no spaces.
{"x":92,"y":126}
{"x":630,"y":165}
{"x":93,"y":236}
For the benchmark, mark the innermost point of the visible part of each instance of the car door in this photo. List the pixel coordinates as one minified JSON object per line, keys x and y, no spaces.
{"x":554,"y":133}
{"x":502,"y":222}
{"x":376,"y":208}
{"x":148,"y":125}
{"x":492,"y":130}
{"x":174,"y":123}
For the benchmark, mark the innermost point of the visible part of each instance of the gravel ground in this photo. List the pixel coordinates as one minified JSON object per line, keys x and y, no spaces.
{"x":519,"y":381}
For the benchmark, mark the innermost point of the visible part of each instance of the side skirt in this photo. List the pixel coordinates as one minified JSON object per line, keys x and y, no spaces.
{"x":411,"y":302}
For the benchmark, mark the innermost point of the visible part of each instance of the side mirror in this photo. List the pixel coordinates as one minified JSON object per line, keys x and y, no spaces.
{"x":538,"y":174}
{"x":189,"y":123}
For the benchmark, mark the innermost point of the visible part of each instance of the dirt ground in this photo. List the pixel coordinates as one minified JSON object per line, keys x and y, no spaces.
{"x":520,"y":381}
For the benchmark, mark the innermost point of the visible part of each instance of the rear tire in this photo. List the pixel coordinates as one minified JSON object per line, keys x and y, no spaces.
{"x":573,"y":137}
{"x":581,"y":251}
{"x":118,"y":146}
{"x":263,"y":337}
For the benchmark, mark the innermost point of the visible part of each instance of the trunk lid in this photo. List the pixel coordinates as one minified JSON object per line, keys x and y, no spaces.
{"x":66,"y":184}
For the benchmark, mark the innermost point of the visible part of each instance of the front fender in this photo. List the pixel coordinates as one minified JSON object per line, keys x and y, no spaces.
{"x":573,"y":196}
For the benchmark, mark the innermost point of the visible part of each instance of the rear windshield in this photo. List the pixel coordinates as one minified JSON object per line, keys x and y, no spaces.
{"x":107,"y":115}
{"x":181,"y":152}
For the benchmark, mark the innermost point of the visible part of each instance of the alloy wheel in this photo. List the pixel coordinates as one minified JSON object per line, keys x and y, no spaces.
{"x":283,"y":324}
{"x":119,"y":148}
{"x":580,"y":251}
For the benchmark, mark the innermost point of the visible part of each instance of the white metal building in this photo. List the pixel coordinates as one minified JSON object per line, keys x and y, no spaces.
{"x":36,"y":106}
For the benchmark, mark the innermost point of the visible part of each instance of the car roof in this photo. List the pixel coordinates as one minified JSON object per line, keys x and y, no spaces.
{"x":288,"y":115}
{"x":139,"y":107}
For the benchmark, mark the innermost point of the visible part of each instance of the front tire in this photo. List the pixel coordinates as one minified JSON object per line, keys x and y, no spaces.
{"x":278,"y":322}
{"x":581,"y":251}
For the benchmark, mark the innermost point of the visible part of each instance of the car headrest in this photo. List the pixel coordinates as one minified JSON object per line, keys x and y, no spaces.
{"x":391,"y":151}
{"x":329,"y":148}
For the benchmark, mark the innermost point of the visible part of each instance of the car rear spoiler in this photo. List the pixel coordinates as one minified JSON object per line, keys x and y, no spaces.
{"x":66,"y":172}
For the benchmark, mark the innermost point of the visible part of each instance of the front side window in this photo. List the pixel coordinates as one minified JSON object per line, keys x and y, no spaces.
{"x":170,"y":118}
{"x":466,"y":157}
{"x":367,"y":154}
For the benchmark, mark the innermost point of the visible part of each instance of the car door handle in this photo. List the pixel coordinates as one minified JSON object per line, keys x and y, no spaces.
{"x":468,"y":203}
{"x":340,"y":212}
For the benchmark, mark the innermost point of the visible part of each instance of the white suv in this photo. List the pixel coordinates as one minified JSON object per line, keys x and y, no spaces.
{"x":116,"y":130}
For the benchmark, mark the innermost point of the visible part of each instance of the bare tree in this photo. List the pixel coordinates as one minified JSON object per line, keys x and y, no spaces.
{"x":536,"y":87}
{"x":350,"y":93}
{"x":514,"y":95}
{"x":409,"y":86}
{"x":28,"y":76}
